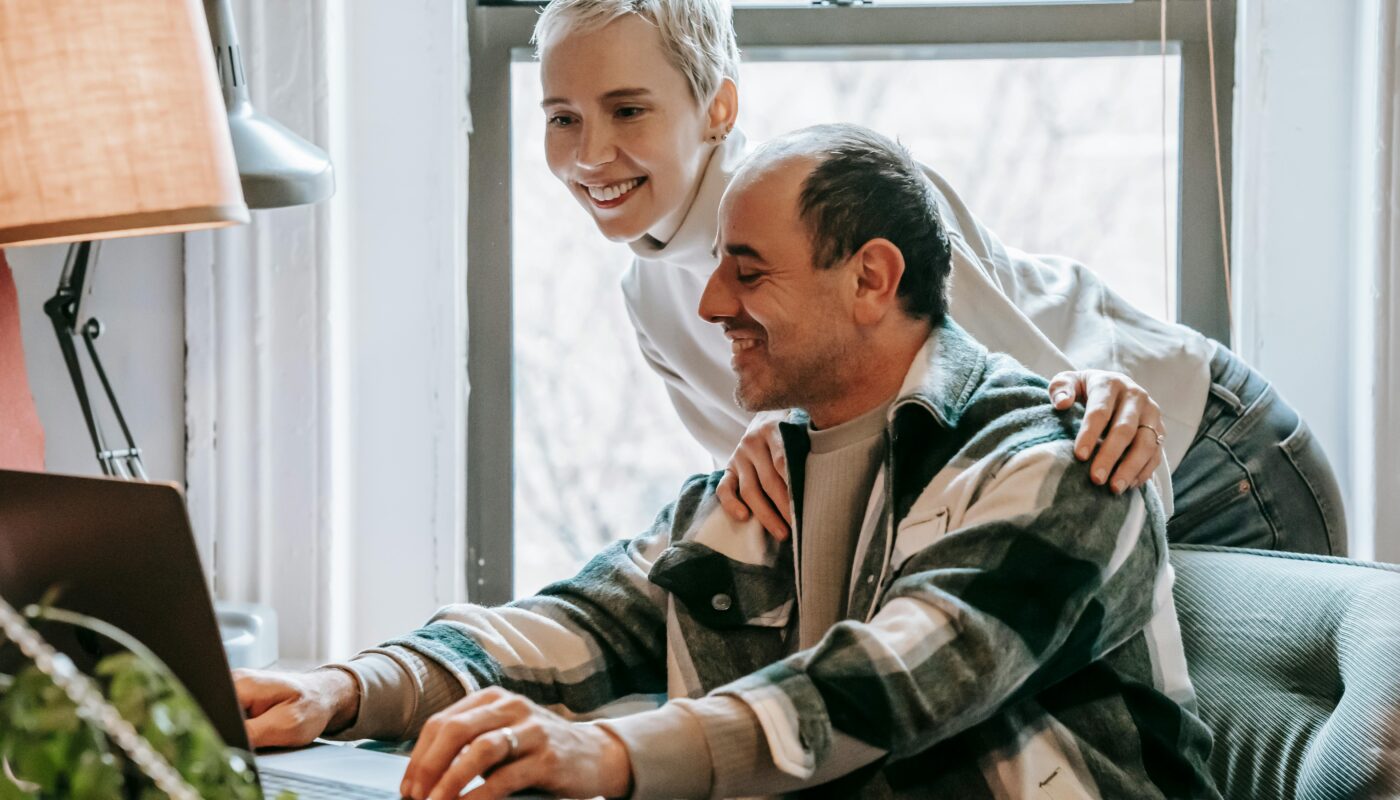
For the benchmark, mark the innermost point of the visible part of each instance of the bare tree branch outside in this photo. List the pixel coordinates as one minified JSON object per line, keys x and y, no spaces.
{"x":1057,"y":155}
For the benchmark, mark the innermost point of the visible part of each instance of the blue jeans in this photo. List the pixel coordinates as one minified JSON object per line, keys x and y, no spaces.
{"x":1254,"y":476}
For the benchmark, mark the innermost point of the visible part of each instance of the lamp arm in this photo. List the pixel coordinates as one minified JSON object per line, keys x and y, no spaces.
{"x":63,"y":310}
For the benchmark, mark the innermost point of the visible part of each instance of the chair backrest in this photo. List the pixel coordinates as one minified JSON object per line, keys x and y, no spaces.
{"x":1296,"y":665}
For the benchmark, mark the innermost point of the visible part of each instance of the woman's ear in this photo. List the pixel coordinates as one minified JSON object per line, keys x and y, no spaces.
{"x":723,"y":110}
{"x":879,"y":266}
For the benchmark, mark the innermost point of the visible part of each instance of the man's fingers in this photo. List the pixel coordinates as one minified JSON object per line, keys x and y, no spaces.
{"x":727,"y":492}
{"x":1063,"y":388}
{"x":276,"y":728}
{"x":509,"y":778}
{"x":441,"y":742}
{"x":485,"y":752}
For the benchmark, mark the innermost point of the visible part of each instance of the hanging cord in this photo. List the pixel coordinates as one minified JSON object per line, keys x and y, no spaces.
{"x":1219,"y":172}
{"x":1167,"y":271}
{"x":91,"y":705}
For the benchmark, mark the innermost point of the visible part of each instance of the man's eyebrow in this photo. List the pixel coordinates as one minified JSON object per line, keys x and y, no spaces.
{"x":615,"y":94}
{"x":742,"y":250}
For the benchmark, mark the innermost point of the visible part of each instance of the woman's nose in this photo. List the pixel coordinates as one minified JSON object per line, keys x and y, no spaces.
{"x":595,"y":147}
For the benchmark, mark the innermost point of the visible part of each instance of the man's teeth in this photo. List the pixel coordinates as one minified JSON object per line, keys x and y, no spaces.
{"x":744,"y":344}
{"x":605,"y":193}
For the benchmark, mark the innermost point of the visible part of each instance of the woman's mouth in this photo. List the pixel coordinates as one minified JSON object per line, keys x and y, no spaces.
{"x":612,"y":194}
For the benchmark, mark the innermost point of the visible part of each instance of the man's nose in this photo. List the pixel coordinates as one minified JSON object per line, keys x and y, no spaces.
{"x":596,"y":147}
{"x":717,"y":302}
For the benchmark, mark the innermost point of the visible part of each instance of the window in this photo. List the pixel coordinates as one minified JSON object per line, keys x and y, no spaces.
{"x":1062,"y":142}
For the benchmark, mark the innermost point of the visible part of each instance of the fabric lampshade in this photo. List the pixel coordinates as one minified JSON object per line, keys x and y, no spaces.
{"x":111,"y":122}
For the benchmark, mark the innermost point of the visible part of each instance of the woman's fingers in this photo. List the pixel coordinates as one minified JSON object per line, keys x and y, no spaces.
{"x":1064,"y":388}
{"x":1100,"y":401}
{"x":752,"y":491}
{"x":1121,"y":433}
{"x":728,"y":494}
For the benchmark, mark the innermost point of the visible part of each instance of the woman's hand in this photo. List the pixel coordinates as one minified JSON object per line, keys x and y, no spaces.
{"x":1119,"y":412}
{"x":755,"y":481}
{"x":513,"y":744}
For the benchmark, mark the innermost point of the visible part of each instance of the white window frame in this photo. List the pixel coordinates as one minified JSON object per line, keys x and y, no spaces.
{"x":497,"y":30}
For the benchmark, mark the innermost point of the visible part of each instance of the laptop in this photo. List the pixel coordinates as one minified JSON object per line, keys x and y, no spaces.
{"x":123,"y":552}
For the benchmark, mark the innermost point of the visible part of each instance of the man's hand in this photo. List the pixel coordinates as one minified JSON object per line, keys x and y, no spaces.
{"x":755,"y":482}
{"x":1119,"y":412}
{"x":288,"y":709}
{"x":514,"y":744}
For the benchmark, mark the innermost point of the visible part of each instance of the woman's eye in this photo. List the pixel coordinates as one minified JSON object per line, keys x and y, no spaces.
{"x":628,"y":112}
{"x":560,"y":120}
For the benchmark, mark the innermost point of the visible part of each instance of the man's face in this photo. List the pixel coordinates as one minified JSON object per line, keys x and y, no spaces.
{"x":789,"y":323}
{"x":622,"y":131}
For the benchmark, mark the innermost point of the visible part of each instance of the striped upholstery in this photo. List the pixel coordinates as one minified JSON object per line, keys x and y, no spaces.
{"x":1296,"y":663}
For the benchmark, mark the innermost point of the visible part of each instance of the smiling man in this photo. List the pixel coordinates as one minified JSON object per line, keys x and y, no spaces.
{"x":960,"y":611}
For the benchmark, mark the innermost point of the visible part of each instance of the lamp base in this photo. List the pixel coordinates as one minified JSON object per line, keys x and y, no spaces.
{"x":249,"y":634}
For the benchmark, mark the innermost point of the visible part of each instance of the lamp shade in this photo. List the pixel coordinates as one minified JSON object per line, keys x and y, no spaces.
{"x":111,"y":122}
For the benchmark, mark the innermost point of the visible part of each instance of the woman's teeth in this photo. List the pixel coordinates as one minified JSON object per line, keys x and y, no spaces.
{"x":605,"y":194}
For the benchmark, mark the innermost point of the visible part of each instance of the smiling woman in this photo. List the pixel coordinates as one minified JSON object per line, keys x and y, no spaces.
{"x":617,"y":150}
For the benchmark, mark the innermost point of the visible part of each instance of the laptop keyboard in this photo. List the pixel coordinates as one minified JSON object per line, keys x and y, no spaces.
{"x":309,"y":788}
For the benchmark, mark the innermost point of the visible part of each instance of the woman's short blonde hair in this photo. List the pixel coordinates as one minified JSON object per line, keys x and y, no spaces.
{"x":696,"y":35}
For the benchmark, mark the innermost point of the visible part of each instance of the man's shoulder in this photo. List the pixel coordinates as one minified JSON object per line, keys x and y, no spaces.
{"x":1009,"y":410}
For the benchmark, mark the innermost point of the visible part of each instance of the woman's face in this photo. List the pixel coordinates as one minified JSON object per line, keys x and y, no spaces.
{"x":622,"y":130}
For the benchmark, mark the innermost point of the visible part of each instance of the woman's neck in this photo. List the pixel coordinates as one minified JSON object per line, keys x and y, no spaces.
{"x":666,"y":228}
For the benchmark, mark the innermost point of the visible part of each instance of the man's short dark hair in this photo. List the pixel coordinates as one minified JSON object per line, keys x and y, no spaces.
{"x":867,"y":186}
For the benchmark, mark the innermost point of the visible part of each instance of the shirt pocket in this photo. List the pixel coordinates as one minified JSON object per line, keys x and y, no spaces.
{"x":918,"y":530}
{"x":723,"y":593}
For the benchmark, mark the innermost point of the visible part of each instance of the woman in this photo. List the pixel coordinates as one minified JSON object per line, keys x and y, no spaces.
{"x":641,"y":102}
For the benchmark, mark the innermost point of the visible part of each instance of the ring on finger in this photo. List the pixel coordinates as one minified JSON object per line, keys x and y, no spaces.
{"x":512,"y":741}
{"x":1161,"y":437}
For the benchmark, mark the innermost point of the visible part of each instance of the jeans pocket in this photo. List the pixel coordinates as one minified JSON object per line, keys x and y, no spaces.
{"x":1206,"y":521}
{"x":1305,"y":453}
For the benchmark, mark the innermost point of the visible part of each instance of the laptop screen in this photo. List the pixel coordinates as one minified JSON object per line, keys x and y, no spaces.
{"x":121,"y":552}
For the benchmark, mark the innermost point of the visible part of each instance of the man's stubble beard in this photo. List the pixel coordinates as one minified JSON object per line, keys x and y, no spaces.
{"x":816,"y":378}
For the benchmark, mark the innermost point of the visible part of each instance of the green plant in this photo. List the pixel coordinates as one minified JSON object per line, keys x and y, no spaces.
{"x":63,"y":734}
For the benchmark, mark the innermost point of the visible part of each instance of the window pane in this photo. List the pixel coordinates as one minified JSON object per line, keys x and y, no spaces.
{"x":1056,"y":154}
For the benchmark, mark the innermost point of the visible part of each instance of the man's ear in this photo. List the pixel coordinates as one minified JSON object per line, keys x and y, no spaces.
{"x":879,"y":266}
{"x":724,"y":108}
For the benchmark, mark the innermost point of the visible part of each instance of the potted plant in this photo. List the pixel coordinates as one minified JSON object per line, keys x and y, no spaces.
{"x":129,"y":730}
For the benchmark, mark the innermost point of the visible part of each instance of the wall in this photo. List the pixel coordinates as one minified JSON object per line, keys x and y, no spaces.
{"x":1304,"y":75}
{"x":138,"y":296}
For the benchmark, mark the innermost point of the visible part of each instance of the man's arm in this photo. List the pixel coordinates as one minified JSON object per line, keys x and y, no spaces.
{"x":575,"y":646}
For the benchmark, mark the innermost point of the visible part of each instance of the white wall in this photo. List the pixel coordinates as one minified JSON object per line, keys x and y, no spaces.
{"x":1303,"y":73}
{"x":138,"y":296}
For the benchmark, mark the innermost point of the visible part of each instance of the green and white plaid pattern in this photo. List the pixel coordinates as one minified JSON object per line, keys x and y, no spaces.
{"x":1012,"y":630}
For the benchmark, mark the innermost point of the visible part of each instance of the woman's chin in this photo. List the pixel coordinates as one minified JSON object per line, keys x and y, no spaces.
{"x":621,"y":230}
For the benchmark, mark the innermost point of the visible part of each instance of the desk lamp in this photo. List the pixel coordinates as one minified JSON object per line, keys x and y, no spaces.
{"x":110,"y":127}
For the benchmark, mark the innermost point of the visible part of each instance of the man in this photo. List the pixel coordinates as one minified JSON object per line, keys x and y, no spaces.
{"x":960,"y":613}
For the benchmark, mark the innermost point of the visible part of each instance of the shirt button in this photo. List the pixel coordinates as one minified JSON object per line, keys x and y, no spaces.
{"x":869,"y":578}
{"x":721,"y":602}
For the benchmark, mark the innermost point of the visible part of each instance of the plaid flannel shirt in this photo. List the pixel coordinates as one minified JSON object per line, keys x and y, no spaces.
{"x":1011,"y":634}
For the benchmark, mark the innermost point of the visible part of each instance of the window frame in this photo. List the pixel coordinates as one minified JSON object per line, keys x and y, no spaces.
{"x":496,"y":30}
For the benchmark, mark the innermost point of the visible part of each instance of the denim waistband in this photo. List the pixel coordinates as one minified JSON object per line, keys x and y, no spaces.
{"x":1234,"y":385}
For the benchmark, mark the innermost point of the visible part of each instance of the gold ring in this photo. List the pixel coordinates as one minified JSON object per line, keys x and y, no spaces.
{"x":1161,"y":437}
{"x":512,"y":741}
